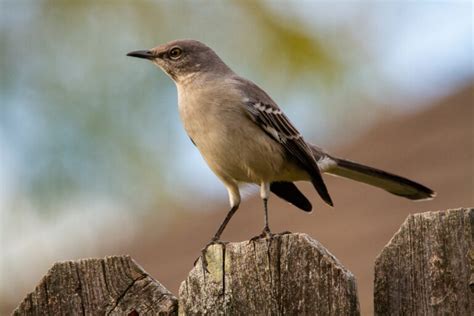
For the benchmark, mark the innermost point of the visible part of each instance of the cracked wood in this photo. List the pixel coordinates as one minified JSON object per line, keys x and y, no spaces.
{"x":288,"y":274}
{"x":428,"y":266}
{"x":110,"y":286}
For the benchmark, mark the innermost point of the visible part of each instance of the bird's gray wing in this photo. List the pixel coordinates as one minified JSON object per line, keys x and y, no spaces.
{"x":268,"y":116}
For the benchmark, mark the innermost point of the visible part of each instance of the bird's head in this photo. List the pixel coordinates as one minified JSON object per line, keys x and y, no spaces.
{"x":182,"y":59}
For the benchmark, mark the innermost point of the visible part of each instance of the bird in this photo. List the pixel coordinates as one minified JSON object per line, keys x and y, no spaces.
{"x":245,"y":137}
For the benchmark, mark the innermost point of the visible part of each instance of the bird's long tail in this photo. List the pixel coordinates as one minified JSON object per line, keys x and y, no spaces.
{"x":387,"y":181}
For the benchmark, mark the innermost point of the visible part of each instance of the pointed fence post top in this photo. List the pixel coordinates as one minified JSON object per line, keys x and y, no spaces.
{"x":289,"y":274}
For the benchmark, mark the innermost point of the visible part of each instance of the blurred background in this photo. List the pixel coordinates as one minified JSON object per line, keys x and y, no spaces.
{"x":94,"y":160}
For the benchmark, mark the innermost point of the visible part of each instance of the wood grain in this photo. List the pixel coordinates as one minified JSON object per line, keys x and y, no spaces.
{"x":288,"y":274}
{"x":111,"y":286}
{"x":427,"y":268}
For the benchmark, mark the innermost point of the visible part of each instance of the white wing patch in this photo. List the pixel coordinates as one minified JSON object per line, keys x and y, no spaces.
{"x":274,"y":133}
{"x":267,"y":109}
{"x":326,"y":164}
{"x":274,"y":122}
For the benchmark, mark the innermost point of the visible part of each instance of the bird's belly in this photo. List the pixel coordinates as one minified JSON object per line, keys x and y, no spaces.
{"x":241,"y":152}
{"x":234,"y":147}
{"x":239,"y":155}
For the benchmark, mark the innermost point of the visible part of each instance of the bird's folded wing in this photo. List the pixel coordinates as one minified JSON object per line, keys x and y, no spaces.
{"x":275,"y":123}
{"x":266,"y":114}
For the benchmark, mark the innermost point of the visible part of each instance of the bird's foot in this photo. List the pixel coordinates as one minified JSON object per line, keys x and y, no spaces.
{"x":266,"y":233}
{"x":214,"y":241}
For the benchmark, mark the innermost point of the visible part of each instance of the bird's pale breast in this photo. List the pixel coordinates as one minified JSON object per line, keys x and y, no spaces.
{"x":233,"y":146}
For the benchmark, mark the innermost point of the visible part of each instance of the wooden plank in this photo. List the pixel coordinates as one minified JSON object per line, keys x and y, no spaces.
{"x":110,"y":286}
{"x":428,"y":266}
{"x":288,"y":274}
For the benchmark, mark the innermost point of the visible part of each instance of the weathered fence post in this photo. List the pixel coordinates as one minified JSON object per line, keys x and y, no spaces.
{"x":428,"y":266}
{"x":288,"y":274}
{"x":284,"y":275}
{"x":110,"y":286}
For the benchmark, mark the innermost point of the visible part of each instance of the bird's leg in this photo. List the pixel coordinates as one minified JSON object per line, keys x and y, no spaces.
{"x":219,"y":232}
{"x":266,"y":232}
{"x":264,"y":194}
{"x":266,"y":228}
{"x":216,"y":238}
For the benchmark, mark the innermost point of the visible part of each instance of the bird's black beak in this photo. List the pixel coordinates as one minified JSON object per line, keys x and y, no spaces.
{"x":146,"y":54}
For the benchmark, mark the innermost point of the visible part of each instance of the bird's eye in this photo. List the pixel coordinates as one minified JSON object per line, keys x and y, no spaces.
{"x":175,"y":52}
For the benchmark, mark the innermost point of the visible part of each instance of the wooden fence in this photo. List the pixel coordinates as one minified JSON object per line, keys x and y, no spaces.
{"x":426,"y":269}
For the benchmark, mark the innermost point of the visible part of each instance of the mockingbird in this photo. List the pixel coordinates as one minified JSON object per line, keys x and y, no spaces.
{"x":246,"y":138}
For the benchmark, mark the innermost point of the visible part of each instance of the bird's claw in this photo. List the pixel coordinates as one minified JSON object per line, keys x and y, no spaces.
{"x":204,"y":250}
{"x":266,"y":233}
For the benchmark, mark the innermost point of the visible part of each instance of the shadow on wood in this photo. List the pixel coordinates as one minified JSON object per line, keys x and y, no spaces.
{"x":428,"y":266}
{"x":288,"y":274}
{"x":110,"y":286}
